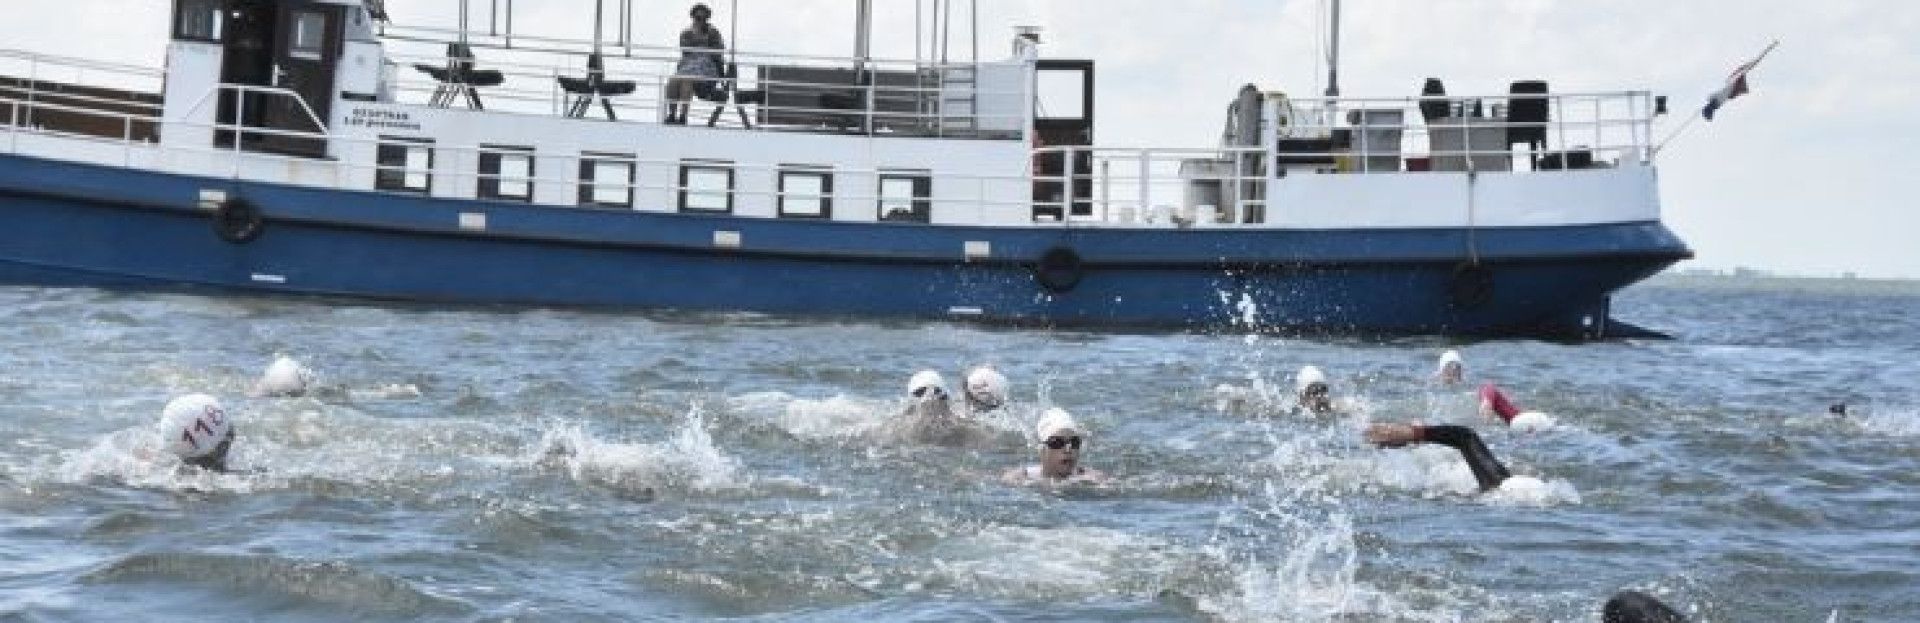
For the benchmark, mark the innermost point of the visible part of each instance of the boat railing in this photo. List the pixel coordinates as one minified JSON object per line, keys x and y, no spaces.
{"x":968,"y":191}
{"x":1505,"y":132}
{"x":775,"y":91}
{"x":1152,"y":186}
{"x":39,"y":81}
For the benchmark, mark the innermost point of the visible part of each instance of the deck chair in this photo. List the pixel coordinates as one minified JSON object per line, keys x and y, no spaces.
{"x":726,"y":92}
{"x":583,"y":92}
{"x":459,"y":77}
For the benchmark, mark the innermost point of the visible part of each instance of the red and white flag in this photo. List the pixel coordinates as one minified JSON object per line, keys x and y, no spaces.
{"x":1736,"y":85}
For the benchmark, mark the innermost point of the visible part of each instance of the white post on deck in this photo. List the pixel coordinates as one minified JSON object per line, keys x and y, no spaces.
{"x":1146,"y":165}
{"x":1066,"y":196}
{"x":1106,"y":189}
{"x":239,"y":121}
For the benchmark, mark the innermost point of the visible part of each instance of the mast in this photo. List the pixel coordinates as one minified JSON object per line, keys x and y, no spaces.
{"x":863,"y":33}
{"x":1333,"y":53}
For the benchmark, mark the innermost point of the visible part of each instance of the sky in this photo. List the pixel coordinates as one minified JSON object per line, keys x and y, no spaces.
{"x":1804,"y":175}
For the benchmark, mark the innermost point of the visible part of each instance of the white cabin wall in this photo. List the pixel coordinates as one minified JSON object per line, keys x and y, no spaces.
{"x":188,"y":106}
{"x":855,"y":196}
{"x":1508,"y":199}
{"x":552,"y":170}
{"x":359,"y":72}
{"x":1618,"y":195}
{"x":956,"y":165}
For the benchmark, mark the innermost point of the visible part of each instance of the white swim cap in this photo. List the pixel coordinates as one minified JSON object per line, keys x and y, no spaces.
{"x":925,"y":381}
{"x":1055,"y":421}
{"x":284,"y":377}
{"x":1308,"y":376}
{"x":1451,"y":356}
{"x":193,"y":425}
{"x":987,"y":387}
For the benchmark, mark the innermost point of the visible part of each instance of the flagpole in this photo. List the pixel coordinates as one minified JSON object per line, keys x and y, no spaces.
{"x":1697,"y":113}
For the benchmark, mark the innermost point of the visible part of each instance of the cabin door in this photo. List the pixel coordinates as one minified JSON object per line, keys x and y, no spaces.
{"x":1063,"y":118}
{"x":307,"y":46}
{"x":249,"y":44}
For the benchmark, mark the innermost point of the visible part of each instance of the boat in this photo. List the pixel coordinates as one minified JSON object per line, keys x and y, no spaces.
{"x":318,"y":147}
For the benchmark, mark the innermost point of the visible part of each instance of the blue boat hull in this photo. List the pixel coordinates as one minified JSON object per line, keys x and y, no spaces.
{"x":74,"y":224}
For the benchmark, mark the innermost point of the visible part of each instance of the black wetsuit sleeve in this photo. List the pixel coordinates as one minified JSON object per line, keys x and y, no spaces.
{"x":1486,"y":469}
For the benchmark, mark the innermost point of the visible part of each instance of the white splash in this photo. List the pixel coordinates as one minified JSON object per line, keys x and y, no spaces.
{"x":688,"y":460}
{"x":1532,"y":422}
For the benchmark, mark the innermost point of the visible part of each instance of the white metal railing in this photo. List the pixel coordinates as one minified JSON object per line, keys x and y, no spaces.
{"x":1468,"y":132}
{"x":342,"y":170}
{"x":1154,"y":186}
{"x":931,"y":104}
{"x":1086,"y":186}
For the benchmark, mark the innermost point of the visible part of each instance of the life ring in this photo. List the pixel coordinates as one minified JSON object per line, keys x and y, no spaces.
{"x":238,"y":221}
{"x":1059,"y":270}
{"x":1471,"y":285}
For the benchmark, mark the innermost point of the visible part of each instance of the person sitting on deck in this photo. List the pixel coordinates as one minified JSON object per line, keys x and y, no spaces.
{"x":701,"y":62}
{"x":197,"y":429}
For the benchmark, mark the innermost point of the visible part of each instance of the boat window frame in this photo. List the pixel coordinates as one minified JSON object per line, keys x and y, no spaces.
{"x":920,"y":204}
{"x":383,"y":170}
{"x":492,"y":161}
{"x":315,"y":39}
{"x":591,"y":184}
{"x":690,"y":165}
{"x":824,"y":173}
{"x":199,"y":20}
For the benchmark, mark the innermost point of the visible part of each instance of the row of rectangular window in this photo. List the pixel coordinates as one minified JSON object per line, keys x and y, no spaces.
{"x":607,"y":180}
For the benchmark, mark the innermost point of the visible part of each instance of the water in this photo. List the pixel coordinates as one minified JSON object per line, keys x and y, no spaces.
{"x":558,"y":465}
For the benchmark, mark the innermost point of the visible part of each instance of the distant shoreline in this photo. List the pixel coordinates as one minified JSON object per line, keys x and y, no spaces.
{"x":1753,"y":280}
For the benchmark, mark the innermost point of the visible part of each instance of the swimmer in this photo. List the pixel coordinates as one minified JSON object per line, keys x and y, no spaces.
{"x":930,"y":416}
{"x":1838,"y":409}
{"x":1310,"y":387}
{"x":1487,"y":470}
{"x":1494,"y":404}
{"x":284,"y":378}
{"x":986,"y":390}
{"x":1060,"y":442}
{"x":198,"y":430}
{"x":1638,"y":607}
{"x":1452,"y":370}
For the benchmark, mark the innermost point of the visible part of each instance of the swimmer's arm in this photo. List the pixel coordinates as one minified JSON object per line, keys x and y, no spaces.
{"x":1393,"y":435}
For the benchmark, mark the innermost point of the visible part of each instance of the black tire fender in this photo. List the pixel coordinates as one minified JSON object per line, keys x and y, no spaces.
{"x":238,"y":221}
{"x":1059,"y":270}
{"x":1471,"y":285}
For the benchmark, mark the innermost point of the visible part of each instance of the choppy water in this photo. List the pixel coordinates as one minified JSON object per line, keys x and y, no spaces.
{"x":555,"y":465}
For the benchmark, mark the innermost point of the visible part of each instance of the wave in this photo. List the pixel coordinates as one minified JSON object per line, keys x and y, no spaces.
{"x":331,"y":585}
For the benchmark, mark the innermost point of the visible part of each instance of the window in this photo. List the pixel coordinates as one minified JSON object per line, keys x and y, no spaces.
{"x":197,"y":20}
{"x":506,"y":173}
{"x":1063,"y":93}
{"x":806,"y":192}
{"x":606,"y":180}
{"x":405,"y":165}
{"x":706,"y":186}
{"x":309,"y":33}
{"x":903,"y":196}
